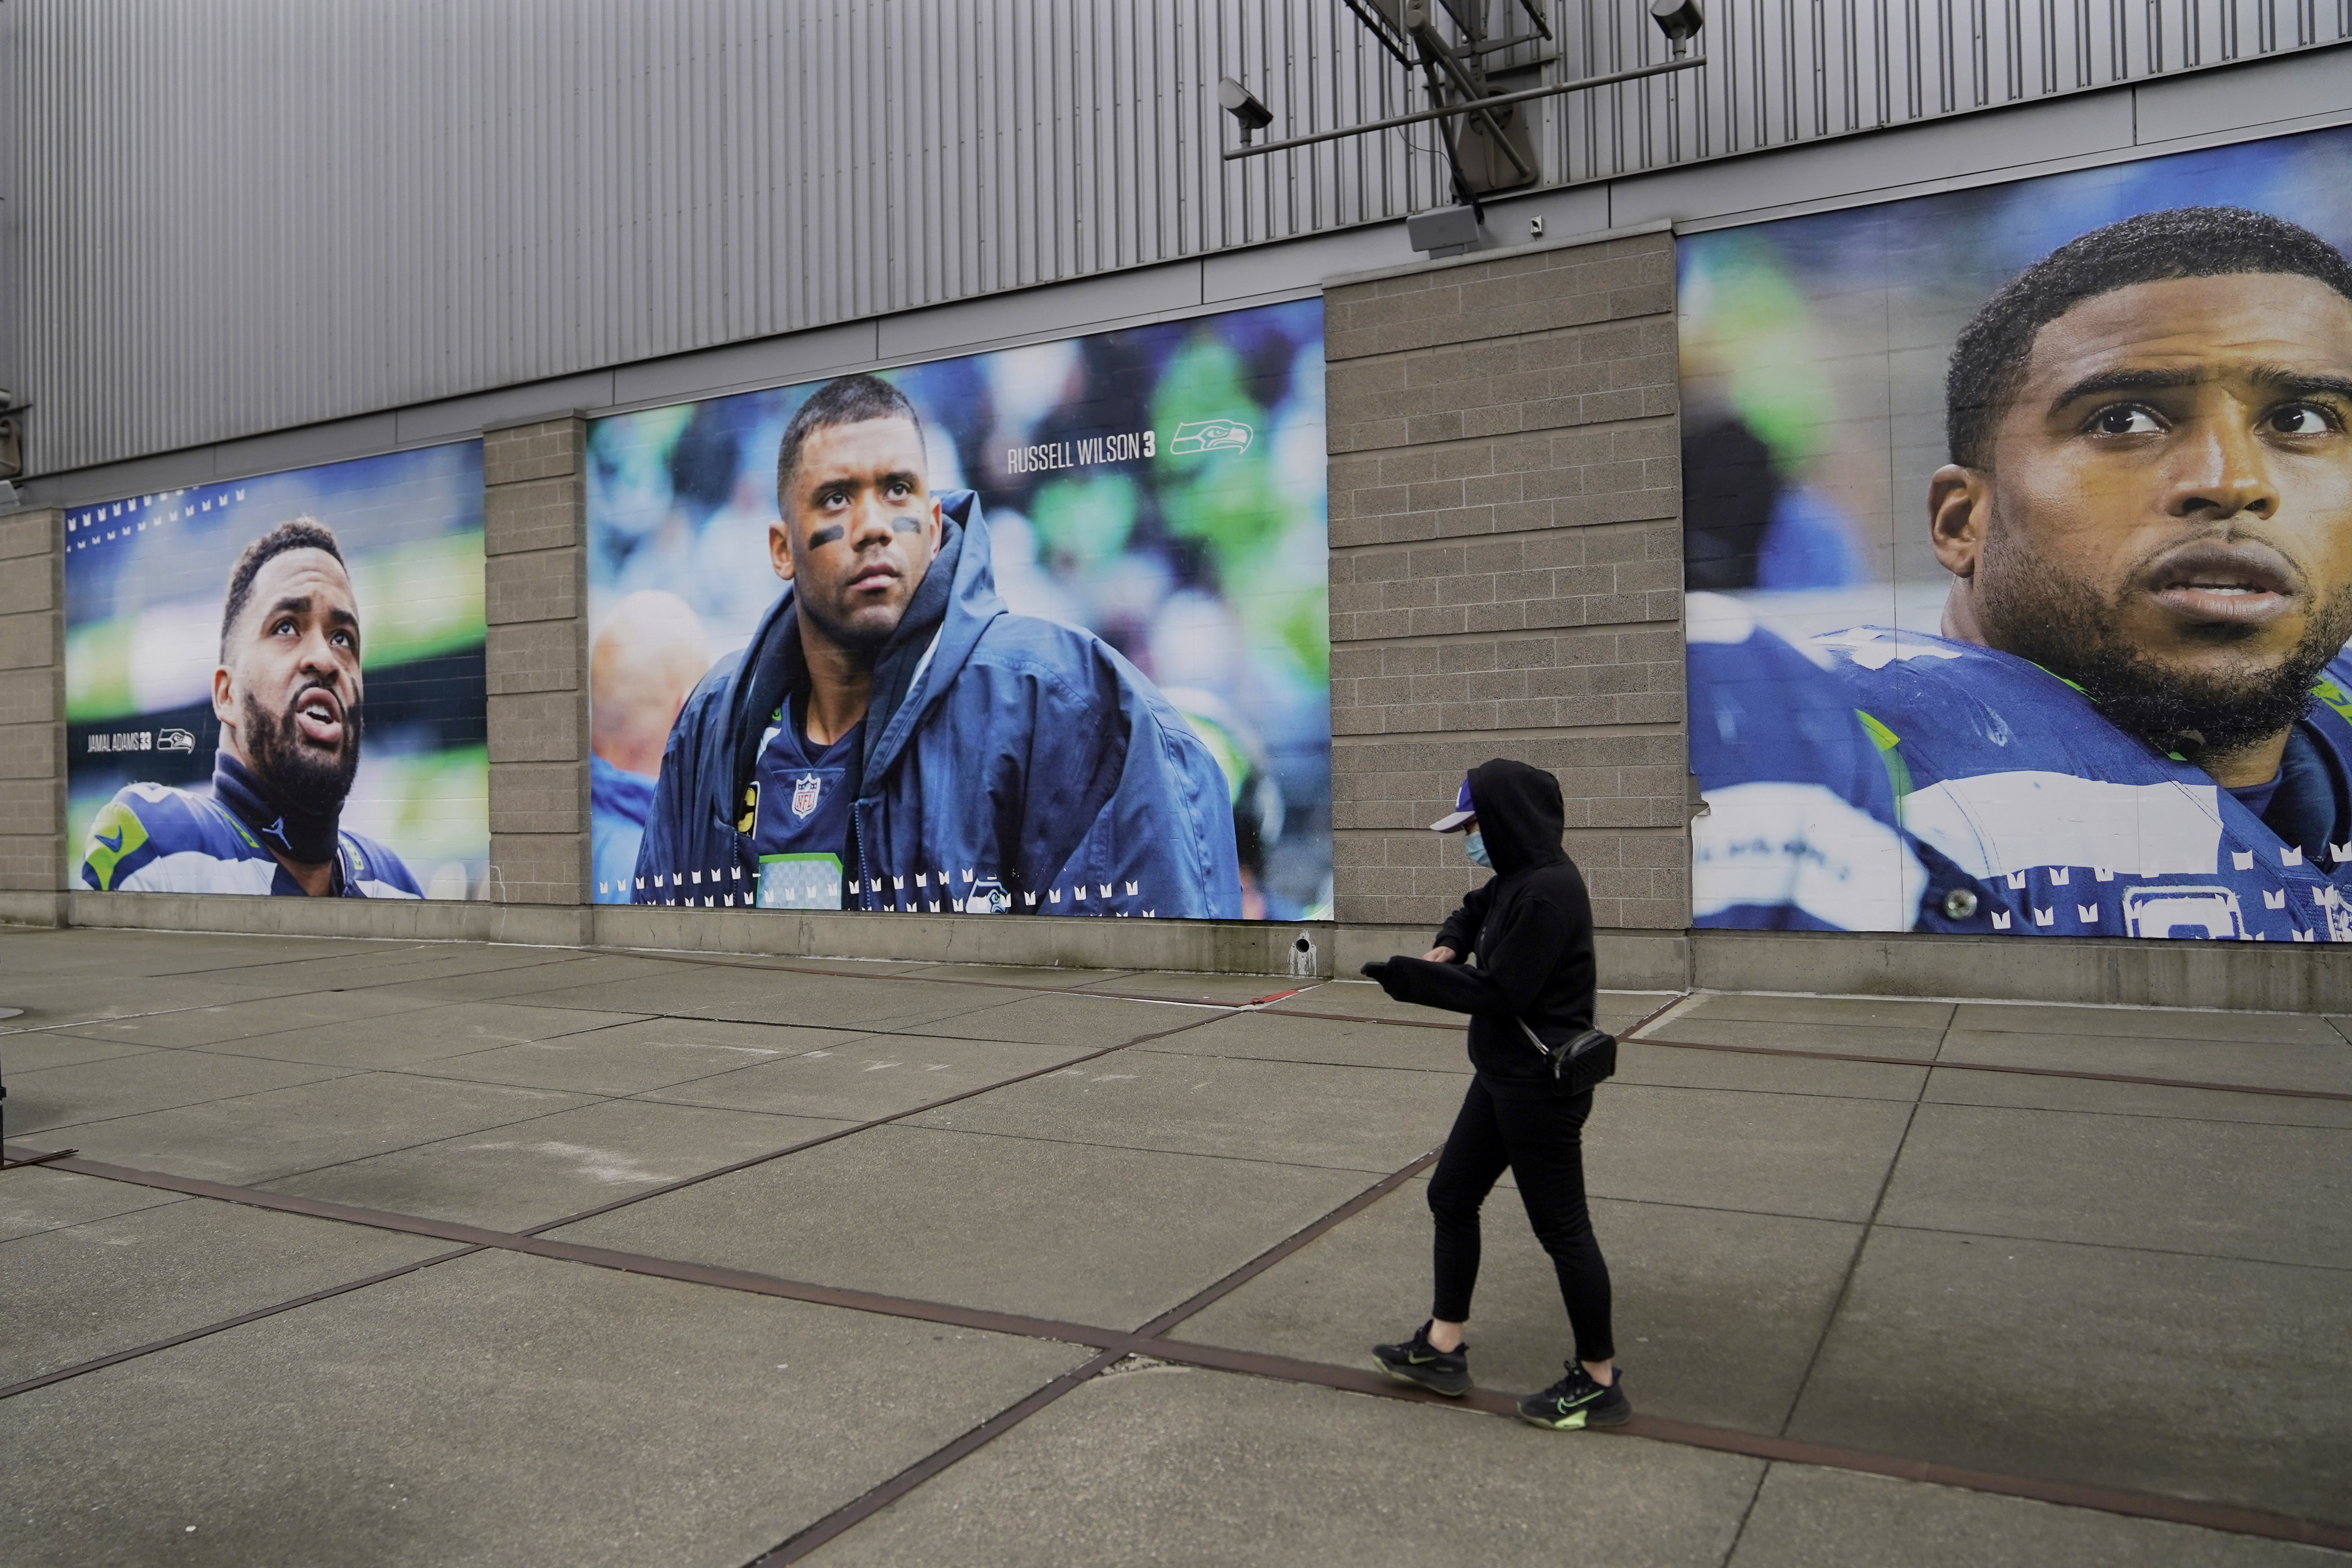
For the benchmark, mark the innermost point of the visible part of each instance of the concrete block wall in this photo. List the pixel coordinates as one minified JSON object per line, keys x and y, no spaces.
{"x":1507,"y":569}
{"x":1506,"y":575}
{"x":534,"y":509}
{"x":32,"y":710}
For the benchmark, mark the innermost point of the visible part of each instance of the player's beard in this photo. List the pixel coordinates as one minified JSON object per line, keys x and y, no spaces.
{"x":864,"y":644}
{"x":288,"y":765}
{"x":2208,"y":714}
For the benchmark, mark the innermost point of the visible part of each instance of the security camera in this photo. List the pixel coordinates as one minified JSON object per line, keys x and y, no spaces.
{"x":1246,"y":106}
{"x":12,"y":439}
{"x":1679,"y":20}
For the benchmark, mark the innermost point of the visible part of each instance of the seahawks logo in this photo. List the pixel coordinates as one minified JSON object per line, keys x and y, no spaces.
{"x":1211,"y":435}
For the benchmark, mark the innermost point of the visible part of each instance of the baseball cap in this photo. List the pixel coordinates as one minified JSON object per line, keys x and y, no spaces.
{"x":1462,"y":811}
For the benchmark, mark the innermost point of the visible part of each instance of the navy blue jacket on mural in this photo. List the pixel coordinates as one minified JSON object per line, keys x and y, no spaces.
{"x":2034,"y":815}
{"x":1011,"y":763}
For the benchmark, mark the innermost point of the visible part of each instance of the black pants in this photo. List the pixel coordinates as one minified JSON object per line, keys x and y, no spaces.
{"x":1541,"y":1143}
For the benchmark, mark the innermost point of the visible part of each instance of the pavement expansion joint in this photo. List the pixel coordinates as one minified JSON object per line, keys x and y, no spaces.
{"x":1211,"y":1012}
{"x":99,"y":1363}
{"x":1944,"y":1065}
{"x":792,"y":967}
{"x":1703,"y":992}
{"x":1633,"y":1035}
{"x":1150,"y":1341}
{"x":1113,"y":1352}
{"x":858,"y":1127}
{"x":1852,"y":1264}
{"x":853,"y":1513}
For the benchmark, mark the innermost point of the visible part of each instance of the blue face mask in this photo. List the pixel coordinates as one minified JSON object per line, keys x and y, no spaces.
{"x":1473,"y":844}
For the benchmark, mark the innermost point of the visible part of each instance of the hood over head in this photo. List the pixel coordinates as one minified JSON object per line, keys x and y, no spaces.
{"x":952,"y":605}
{"x":1520,"y":815}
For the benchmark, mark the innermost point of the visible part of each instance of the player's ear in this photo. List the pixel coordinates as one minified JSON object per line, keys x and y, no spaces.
{"x":938,"y":530}
{"x":780,"y":549}
{"x":223,"y":695}
{"x":1959,"y":509}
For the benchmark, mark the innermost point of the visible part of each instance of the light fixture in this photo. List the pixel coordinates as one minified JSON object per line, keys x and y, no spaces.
{"x":1445,"y":231}
{"x":12,"y":434}
{"x":1469,"y":66}
{"x":1679,"y":20}
{"x":1247,"y":107}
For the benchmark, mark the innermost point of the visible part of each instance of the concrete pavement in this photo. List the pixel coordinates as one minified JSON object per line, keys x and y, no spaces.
{"x":395,"y":1252}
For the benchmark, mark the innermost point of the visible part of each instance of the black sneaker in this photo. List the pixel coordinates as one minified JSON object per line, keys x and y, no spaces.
{"x":1576,"y":1402}
{"x":1446,"y":1372}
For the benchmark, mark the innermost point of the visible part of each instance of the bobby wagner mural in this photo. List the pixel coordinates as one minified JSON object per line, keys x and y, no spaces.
{"x":2061,"y":651}
{"x":1039,"y":631}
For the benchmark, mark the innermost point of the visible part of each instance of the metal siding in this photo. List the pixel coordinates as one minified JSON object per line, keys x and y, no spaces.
{"x":243,"y":215}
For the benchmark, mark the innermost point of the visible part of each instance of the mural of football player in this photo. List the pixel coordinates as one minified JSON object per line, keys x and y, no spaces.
{"x":894,"y":737}
{"x":2138,"y":719}
{"x":289,"y":698}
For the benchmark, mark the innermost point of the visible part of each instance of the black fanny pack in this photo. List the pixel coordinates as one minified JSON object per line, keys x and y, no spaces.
{"x":1580,"y":1061}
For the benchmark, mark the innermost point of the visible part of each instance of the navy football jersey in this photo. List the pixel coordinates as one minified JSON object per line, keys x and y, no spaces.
{"x":151,"y":838}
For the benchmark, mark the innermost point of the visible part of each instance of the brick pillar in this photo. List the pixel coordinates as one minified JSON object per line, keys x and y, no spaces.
{"x":1507,"y":569}
{"x":32,"y":717}
{"x":534,"y":507}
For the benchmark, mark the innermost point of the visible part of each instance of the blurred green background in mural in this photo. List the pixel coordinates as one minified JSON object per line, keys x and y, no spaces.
{"x":1814,"y":352}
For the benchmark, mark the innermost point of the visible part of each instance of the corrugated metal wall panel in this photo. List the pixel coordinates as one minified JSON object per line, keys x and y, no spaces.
{"x":240,"y":215}
{"x":1782,"y":72}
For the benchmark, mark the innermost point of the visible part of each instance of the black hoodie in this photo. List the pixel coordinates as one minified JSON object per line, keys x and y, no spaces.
{"x":1532,"y":928}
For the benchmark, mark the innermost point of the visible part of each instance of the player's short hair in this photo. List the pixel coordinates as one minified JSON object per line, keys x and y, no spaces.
{"x":1988,"y":361}
{"x":295,"y":533}
{"x":849,"y":400}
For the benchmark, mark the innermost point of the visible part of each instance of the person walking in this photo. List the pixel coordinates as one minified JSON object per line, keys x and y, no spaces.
{"x":1530,"y":1001}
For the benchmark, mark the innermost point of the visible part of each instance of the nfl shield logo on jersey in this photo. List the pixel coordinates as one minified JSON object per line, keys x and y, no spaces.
{"x":805,"y":789}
